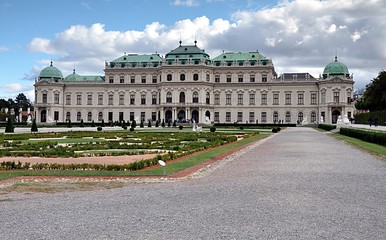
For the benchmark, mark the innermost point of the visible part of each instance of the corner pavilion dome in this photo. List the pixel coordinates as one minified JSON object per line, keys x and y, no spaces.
{"x":335,"y":68}
{"x":50,"y":73}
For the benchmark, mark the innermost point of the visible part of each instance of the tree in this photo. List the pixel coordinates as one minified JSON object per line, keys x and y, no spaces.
{"x":9,"y":128}
{"x":34,"y":127}
{"x":133,"y":124}
{"x":374,"y":97}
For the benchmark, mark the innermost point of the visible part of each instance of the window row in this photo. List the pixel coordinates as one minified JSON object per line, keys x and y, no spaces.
{"x":110,"y":116}
{"x":143,"y":79}
{"x":263,"y":117}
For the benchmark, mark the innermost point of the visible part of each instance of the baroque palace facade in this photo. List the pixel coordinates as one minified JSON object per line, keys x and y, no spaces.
{"x":188,"y":85}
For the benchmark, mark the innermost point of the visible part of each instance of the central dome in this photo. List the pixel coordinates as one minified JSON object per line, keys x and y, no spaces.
{"x":50,"y":72}
{"x":335,"y":68}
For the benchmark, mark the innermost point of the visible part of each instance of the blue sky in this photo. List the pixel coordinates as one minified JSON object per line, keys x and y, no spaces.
{"x":299,"y":35}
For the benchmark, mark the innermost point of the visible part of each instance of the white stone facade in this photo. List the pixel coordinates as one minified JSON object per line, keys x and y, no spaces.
{"x":208,"y":91}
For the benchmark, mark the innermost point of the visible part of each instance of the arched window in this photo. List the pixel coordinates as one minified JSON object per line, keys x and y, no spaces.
{"x":89,"y":116}
{"x":68,"y":116}
{"x":169,"y":97}
{"x":287,"y":117}
{"x":195,"y":77}
{"x":300,"y":117}
{"x":169,"y":77}
{"x":182,"y":77}
{"x":313,"y":117}
{"x":275,"y":117}
{"x":78,"y":116}
{"x":100,"y":117}
{"x":182,"y":97}
{"x":195,"y":97}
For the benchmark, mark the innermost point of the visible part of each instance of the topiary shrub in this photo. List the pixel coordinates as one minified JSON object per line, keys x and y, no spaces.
{"x":163,"y":123}
{"x":99,"y":128}
{"x":180,"y":127}
{"x":274,"y":130}
{"x":133,"y":124}
{"x":103,"y":123}
{"x":92,"y":123}
{"x":175,"y":123}
{"x":141,"y":124}
{"x":131,"y":129}
{"x":81,"y":123}
{"x":34,"y":127}
{"x":157,"y":123}
{"x":9,"y":128}
{"x":241,"y":128}
{"x":149,"y":124}
{"x":212,"y":129}
{"x":69,"y":124}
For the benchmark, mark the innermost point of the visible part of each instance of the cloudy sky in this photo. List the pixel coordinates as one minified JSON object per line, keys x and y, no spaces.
{"x":298,"y":35}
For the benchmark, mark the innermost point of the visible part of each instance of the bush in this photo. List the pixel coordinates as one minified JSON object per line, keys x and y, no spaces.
{"x":213,"y":129}
{"x":81,"y":123}
{"x":274,"y":130}
{"x":180,"y":127}
{"x":69,"y":124}
{"x":327,"y":127}
{"x":99,"y":128}
{"x":175,"y":123}
{"x":9,"y":128}
{"x":163,"y":123}
{"x":103,"y":123}
{"x":141,"y":124}
{"x":368,"y":136}
{"x":363,"y":118}
{"x":131,"y":129}
{"x":34,"y":127}
{"x":241,"y":128}
{"x":92,"y":123}
{"x":133,"y":124}
{"x":157,"y":123}
{"x":149,"y":124}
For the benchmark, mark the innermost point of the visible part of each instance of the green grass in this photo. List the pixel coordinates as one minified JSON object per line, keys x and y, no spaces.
{"x":169,"y":168}
{"x":372,"y":148}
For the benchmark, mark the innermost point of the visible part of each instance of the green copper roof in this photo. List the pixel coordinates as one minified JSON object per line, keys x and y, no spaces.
{"x":230,"y":56}
{"x":186,"y":52}
{"x":78,"y":78}
{"x":50,"y":72}
{"x":336,"y":68}
{"x":134,"y":59}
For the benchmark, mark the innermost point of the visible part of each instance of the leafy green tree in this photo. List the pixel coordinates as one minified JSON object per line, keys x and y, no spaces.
{"x":374,"y":97}
{"x":34,"y":127}
{"x":9,"y":128}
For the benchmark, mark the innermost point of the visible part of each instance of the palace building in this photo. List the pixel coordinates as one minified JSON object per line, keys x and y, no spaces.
{"x":188,"y":85}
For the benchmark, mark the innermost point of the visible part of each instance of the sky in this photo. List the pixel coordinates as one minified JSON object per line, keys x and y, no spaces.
{"x":298,"y":35}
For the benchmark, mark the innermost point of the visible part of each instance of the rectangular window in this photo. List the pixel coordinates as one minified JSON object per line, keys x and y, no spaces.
{"x":241,"y":79}
{"x":121,"y":79}
{"x":313,"y":98}
{"x":154,"y":79}
{"x":111,"y":116}
{"x":300,"y":99}
{"x":239,"y":116}
{"x":44,"y":98}
{"x":264,"y":99}
{"x":251,"y":117}
{"x":111,"y":99}
{"x":154,"y":116}
{"x":228,"y":99}
{"x":111,"y":79}
{"x":143,"y":99}
{"x":89,"y":99}
{"x":275,"y":99}
{"x":263,"y":117}
{"x":217,"y":78}
{"x":217,"y":99}
{"x":132,"y":99}
{"x":100,"y":99}
{"x":264,"y":78}
{"x":143,"y":79}
{"x":251,"y":99}
{"x":56,"y":116}
{"x":56,"y":98}
{"x":154,"y":99}
{"x":288,"y":99}
{"x":131,"y":116}
{"x":89,"y":117}
{"x":228,"y":117}
{"x":239,"y":99}
{"x":68,"y":99}
{"x":252,"y":78}
{"x":229,"y":78}
{"x":132,"y":79}
{"x":217,"y":117}
{"x":121,"y":117}
{"x":78,"y":99}
{"x":143,"y":116}
{"x":323,"y":96}
{"x":336,"y":97}
{"x":121,"y":99}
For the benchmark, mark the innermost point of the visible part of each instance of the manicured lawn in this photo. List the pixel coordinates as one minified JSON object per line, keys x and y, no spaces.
{"x":372,"y":148}
{"x":171,"y":168}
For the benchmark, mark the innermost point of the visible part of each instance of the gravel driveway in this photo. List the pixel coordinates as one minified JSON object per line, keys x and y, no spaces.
{"x":299,"y":184}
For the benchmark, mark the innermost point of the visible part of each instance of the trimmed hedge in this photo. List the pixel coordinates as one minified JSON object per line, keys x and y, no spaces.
{"x":368,"y":136}
{"x":327,"y":127}
{"x":363,"y":118}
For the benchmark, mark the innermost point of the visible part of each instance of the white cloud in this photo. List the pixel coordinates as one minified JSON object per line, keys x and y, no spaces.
{"x":3,"y":49}
{"x":186,"y":3}
{"x":293,"y":33}
{"x":13,"y":87}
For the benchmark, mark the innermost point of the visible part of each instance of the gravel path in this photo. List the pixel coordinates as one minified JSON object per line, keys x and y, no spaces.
{"x":299,"y":184}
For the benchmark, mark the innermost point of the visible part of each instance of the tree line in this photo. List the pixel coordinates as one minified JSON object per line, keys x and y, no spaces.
{"x":20,"y":102}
